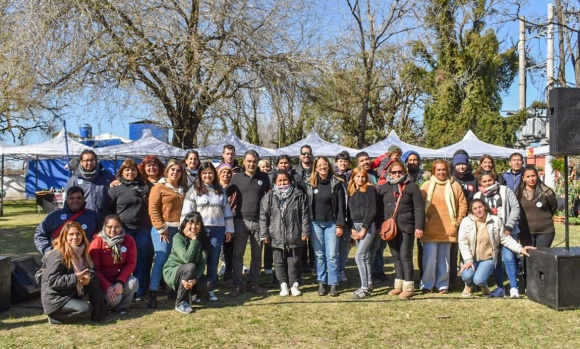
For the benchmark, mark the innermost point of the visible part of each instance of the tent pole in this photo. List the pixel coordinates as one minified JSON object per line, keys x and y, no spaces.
{"x":66,"y":146}
{"x":36,"y":175}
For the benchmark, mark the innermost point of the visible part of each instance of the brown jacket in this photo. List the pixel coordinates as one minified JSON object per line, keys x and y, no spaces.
{"x":438,"y":224}
{"x":164,"y":205}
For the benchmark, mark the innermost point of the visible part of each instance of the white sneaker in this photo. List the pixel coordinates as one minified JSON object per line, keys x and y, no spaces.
{"x":268,"y":271}
{"x":284,"y":290}
{"x":514,"y":293}
{"x":211,"y":296}
{"x":295,"y":291}
{"x":222,"y":270}
{"x":342,"y":276}
{"x":245,"y":270}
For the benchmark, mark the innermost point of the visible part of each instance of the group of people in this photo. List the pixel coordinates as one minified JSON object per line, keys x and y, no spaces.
{"x":172,"y":224}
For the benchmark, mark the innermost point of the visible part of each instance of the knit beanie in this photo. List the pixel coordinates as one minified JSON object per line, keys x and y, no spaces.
{"x":222,"y":167}
{"x":392,"y":148}
{"x":460,"y":159}
{"x":408,"y":153}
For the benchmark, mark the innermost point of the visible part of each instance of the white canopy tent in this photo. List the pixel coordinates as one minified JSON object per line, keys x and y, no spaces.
{"x":381,"y":147}
{"x":54,"y":148}
{"x":320,"y":147}
{"x":146,"y":145}
{"x":476,"y":148}
{"x":216,"y":149}
{"x":543,"y":150}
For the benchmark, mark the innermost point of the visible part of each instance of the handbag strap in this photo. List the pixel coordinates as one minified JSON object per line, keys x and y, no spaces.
{"x":72,"y":218}
{"x":398,"y":202}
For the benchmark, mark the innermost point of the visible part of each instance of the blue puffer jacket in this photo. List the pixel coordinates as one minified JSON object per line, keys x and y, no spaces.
{"x":95,"y":189}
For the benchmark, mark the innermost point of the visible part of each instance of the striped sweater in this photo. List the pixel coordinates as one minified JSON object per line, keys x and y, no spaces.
{"x":214,"y":209}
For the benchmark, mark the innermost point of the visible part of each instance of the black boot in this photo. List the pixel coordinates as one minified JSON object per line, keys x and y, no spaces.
{"x":152,"y":299}
{"x":333,"y":291}
{"x":321,"y":289}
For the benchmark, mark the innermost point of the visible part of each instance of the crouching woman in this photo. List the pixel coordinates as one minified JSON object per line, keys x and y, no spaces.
{"x":67,"y":277}
{"x":183,"y":271}
{"x":480,"y":237}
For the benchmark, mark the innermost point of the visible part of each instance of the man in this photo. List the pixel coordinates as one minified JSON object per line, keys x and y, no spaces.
{"x":250,"y":186}
{"x":74,"y":210}
{"x":364,"y":161}
{"x":229,"y":157}
{"x":418,"y":175}
{"x":304,"y":168}
{"x":513,"y":176}
{"x":94,"y":179}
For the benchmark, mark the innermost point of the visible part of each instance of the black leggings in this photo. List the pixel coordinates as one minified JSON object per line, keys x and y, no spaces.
{"x":542,"y":240}
{"x":402,"y":251}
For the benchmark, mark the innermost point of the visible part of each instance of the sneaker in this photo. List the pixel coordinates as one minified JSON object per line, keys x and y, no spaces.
{"x":443,"y":291}
{"x":184,"y":308}
{"x":255,"y":289}
{"x":54,"y":321}
{"x":467,"y":291}
{"x":342,"y":276}
{"x":360,"y":294}
{"x":122,"y":311}
{"x":294,"y":290}
{"x":222,"y":270}
{"x":485,"y":291}
{"x":245,"y":270}
{"x":514,"y":293}
{"x":284,"y":292}
{"x":236,"y":291}
{"x":499,"y":292}
{"x":268,"y":271}
{"x":211,"y":296}
{"x":106,"y":319}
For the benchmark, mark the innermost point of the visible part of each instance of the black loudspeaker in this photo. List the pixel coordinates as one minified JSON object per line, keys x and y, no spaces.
{"x":564,"y":114}
{"x":24,"y":286}
{"x":552,"y":277}
{"x":5,"y":283}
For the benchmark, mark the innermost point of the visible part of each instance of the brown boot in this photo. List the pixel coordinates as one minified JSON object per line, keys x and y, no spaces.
{"x":408,"y":287}
{"x":398,"y":288}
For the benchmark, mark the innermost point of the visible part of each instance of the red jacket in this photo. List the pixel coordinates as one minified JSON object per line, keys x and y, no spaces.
{"x":108,"y":272}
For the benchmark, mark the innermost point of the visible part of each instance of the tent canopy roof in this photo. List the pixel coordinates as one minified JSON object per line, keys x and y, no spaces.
{"x":320,"y":147}
{"x":381,"y":147}
{"x":146,"y":145}
{"x":54,"y":148}
{"x":216,"y":149}
{"x":476,"y":148}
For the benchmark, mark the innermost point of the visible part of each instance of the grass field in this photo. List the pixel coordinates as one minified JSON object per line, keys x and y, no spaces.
{"x":310,"y":321}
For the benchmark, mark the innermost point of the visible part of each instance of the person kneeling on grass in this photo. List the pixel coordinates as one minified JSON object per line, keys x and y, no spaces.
{"x":285,"y":224}
{"x":183,"y":271}
{"x":480,"y":236}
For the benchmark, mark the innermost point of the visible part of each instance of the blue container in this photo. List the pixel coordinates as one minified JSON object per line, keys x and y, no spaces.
{"x":86,"y":131}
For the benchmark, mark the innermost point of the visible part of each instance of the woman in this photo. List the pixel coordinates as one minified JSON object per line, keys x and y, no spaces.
{"x":445,"y":207}
{"x":410,"y":222}
{"x":67,"y":277}
{"x":225,"y":173}
{"x":165,"y":203}
{"x":502,"y":202}
{"x":487,"y":166}
{"x":538,"y":204}
{"x":284,"y":224}
{"x":361,"y":210}
{"x":327,"y":211}
{"x":480,"y":235}
{"x":151,"y":169}
{"x":191,"y":162}
{"x":183,"y":271}
{"x":209,"y":198}
{"x":130,"y":201}
{"x":284,"y":163}
{"x":114,"y":255}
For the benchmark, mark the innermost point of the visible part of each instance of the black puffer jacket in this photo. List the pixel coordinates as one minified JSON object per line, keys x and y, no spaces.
{"x":284,"y":230}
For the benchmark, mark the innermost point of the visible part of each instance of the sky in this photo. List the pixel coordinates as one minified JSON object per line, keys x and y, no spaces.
{"x":105,"y":119}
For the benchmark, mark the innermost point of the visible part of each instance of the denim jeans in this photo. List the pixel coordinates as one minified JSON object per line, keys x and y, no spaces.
{"x":511,"y":264}
{"x":216,"y":238}
{"x":162,"y":251}
{"x":435,"y":265}
{"x":123,"y":300}
{"x":483,"y":270}
{"x":363,"y":255}
{"x":344,"y":248}
{"x":145,"y":252}
{"x":247,"y":229}
{"x":325,"y":244}
{"x":376,"y":255}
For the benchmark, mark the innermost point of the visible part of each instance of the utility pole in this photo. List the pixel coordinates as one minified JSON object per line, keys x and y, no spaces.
{"x":550,"y":49}
{"x":522,"y":64}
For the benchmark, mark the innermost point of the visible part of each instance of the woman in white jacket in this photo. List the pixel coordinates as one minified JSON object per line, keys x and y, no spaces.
{"x":480,"y":237}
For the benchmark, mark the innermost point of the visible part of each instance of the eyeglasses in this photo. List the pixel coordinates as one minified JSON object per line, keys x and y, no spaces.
{"x":306,"y":153}
{"x":88,"y":160}
{"x":397,"y":172}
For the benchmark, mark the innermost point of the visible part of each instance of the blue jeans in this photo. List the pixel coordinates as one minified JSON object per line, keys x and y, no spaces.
{"x":145,"y":252}
{"x":343,"y":249}
{"x":216,"y":238}
{"x":436,"y":265}
{"x":510,"y":260}
{"x":325,"y":244}
{"x":162,"y":251}
{"x":483,"y":270}
{"x":363,"y":255}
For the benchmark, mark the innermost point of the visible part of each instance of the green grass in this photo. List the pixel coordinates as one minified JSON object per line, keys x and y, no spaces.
{"x":310,"y":321}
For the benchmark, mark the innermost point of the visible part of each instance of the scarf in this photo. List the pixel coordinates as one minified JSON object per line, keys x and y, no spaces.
{"x":89,"y":174}
{"x":114,"y":243}
{"x":401,"y":180}
{"x":463,"y":176}
{"x":489,"y":191}
{"x":138,"y":187}
{"x":449,"y":197}
{"x":283,"y":193}
{"x":178,"y":190}
{"x":79,"y":264}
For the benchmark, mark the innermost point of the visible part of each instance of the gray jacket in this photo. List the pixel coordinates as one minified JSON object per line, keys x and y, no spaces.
{"x":284,"y":230}
{"x":510,"y":212}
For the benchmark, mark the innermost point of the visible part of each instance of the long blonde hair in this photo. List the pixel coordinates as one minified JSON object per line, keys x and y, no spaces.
{"x":60,"y":244}
{"x":352,"y":186}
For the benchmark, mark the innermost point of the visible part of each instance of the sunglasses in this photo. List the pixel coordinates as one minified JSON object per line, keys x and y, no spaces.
{"x":397,"y":172}
{"x":306,"y":153}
